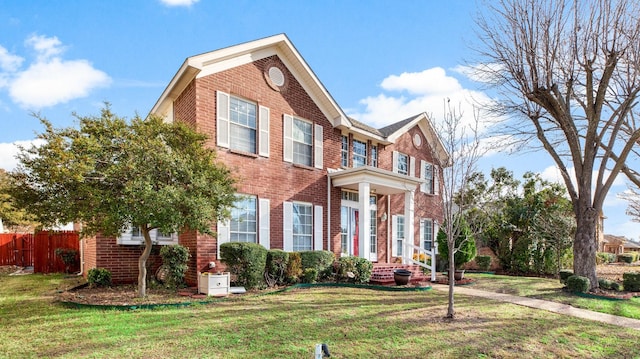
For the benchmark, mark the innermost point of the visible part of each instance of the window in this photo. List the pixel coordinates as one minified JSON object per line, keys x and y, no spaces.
{"x":428,"y":177}
{"x":399,"y":235}
{"x":427,"y":234}
{"x":136,"y":233}
{"x":359,"y":153}
{"x":345,"y":151}
{"x":242,"y":132}
{"x":403,"y":164}
{"x":302,"y":227}
{"x":243,"y":224}
{"x":134,"y":236}
{"x":374,"y":156}
{"x":302,"y":142}
{"x":344,"y":230}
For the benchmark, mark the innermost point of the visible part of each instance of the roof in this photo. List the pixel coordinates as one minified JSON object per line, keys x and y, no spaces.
{"x":389,"y":130}
{"x":615,"y":240}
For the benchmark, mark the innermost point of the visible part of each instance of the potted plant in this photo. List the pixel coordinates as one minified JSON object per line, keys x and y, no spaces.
{"x":401,"y":276}
{"x":466,"y":245}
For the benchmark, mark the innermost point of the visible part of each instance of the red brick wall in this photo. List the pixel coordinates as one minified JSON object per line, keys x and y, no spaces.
{"x":120,"y":260}
{"x":271,"y":177}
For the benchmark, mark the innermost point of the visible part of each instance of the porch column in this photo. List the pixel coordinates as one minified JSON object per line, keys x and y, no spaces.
{"x":364,"y":219}
{"x":409,"y":210}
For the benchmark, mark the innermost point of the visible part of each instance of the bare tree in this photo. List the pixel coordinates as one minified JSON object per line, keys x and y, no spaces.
{"x":633,"y":197}
{"x":568,"y":77}
{"x":463,"y":145}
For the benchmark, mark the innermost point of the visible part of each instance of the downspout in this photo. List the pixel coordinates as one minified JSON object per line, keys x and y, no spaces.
{"x":81,"y":257}
{"x":328,"y":212}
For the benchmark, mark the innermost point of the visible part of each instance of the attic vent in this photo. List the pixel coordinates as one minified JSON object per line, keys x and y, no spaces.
{"x":276,"y":76}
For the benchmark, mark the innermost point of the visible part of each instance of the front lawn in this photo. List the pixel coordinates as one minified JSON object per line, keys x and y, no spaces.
{"x":355,"y":323}
{"x":551,"y":289}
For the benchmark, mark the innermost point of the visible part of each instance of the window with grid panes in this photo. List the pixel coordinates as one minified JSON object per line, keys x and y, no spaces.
{"x":242,"y":125}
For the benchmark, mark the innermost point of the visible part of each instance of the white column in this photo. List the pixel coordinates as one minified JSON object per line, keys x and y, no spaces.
{"x":364,"y":219}
{"x":409,"y":209}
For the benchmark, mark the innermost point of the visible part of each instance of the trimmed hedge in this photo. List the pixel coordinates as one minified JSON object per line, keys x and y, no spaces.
{"x":578,"y":284}
{"x":99,"y":277}
{"x":321,"y":261}
{"x":626,"y":258}
{"x":276,"y":267}
{"x":483,"y":262}
{"x":564,"y":275}
{"x":631,"y":281}
{"x":309,"y":275}
{"x":246,"y":260}
{"x":604,"y":283}
{"x":353,"y":269}
{"x":175,"y":258}
{"x":604,"y":258}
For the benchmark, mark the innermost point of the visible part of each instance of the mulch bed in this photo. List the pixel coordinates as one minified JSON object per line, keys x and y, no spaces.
{"x":125,"y":295}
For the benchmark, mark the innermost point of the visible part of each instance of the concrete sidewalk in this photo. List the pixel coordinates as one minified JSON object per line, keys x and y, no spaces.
{"x":559,"y":308}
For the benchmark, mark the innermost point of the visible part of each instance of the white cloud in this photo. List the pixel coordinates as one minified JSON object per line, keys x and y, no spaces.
{"x":179,"y":2}
{"x":552,"y":174}
{"x":9,"y":62}
{"x":45,"y":47}
{"x":56,"y":81}
{"x":50,"y":79}
{"x":8,"y":152}
{"x":427,"y":91}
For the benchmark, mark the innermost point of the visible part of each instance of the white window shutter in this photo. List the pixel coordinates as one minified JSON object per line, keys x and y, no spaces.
{"x":263,"y":138}
{"x":318,"y":141}
{"x":317,"y":228}
{"x":287,"y":229}
{"x":264,"y":223}
{"x":395,"y":161}
{"x":223,"y":234}
{"x":423,"y":186}
{"x":394,"y":236}
{"x":436,"y":229}
{"x":287,"y":130}
{"x":436,"y":180}
{"x":412,"y":166}
{"x":222,"y":119}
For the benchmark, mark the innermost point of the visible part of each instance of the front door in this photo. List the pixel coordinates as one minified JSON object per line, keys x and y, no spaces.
{"x":352,"y":244}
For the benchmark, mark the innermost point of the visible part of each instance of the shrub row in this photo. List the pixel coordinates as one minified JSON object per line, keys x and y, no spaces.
{"x":628,"y":257}
{"x":631,"y":281}
{"x":604,"y":283}
{"x":604,"y":258}
{"x":255,"y":266}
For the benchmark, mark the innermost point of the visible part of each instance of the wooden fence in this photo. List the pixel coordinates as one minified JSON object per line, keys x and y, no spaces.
{"x":39,"y":250}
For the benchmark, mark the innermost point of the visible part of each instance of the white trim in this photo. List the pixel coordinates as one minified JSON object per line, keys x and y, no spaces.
{"x":395,"y":161}
{"x":222,"y":234}
{"x":412,"y":166}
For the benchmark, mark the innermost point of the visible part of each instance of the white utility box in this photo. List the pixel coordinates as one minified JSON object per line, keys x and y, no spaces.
{"x":214,"y":283}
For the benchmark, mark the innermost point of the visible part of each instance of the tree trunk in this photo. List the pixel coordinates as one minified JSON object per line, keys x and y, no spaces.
{"x":452,"y":281}
{"x":585,"y":245}
{"x":142,"y":262}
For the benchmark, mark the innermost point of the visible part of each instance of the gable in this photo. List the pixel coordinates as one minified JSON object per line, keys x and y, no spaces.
{"x":220,"y":60}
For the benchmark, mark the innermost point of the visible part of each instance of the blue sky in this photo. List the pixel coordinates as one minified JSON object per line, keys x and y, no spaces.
{"x":382,"y":61}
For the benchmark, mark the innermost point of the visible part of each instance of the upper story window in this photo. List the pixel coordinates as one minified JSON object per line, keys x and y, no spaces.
{"x":242,"y":127}
{"x":403,"y":164}
{"x":345,"y":152}
{"x":427,"y":171}
{"x":302,"y":142}
{"x":243,"y":225}
{"x":359,"y":153}
{"x":374,"y":156}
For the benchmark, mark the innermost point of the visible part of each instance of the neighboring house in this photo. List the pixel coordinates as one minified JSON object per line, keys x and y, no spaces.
{"x":631,"y":246}
{"x":309,"y":177}
{"x":612,"y":244}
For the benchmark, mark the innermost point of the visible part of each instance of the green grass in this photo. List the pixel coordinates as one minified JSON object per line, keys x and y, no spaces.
{"x":551,"y":289}
{"x":355,"y":323}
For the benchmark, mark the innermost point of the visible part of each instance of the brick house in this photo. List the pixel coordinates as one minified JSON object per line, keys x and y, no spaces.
{"x":311,"y":178}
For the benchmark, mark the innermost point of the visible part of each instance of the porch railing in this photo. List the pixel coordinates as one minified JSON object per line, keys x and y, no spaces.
{"x":413,"y":254}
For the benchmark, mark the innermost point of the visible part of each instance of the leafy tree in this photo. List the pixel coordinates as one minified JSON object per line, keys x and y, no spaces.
{"x":19,"y":219}
{"x":568,"y":77}
{"x":110,"y":175}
